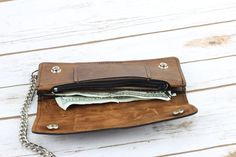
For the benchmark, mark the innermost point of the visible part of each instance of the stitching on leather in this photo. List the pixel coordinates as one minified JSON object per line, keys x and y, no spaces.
{"x":180,"y":72}
{"x":41,"y":66}
{"x":75,"y":74}
{"x":148,"y":73}
{"x":38,"y":116}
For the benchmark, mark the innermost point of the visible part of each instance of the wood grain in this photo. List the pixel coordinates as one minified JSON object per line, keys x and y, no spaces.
{"x":53,"y":24}
{"x":153,"y":46}
{"x":225,"y":150}
{"x":201,"y":33}
{"x":151,"y":140}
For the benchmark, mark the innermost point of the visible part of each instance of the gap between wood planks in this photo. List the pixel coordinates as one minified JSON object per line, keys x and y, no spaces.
{"x":166,"y":155}
{"x":143,"y":141}
{"x":5,"y":0}
{"x":117,"y":38}
{"x":198,"y":150}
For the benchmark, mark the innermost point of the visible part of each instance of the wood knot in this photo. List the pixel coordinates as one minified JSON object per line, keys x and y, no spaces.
{"x":209,"y":42}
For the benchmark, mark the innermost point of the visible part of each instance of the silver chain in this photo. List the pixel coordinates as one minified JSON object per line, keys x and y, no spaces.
{"x":24,"y":121}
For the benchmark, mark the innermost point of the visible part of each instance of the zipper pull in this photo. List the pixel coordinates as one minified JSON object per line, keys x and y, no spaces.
{"x":169,"y":93}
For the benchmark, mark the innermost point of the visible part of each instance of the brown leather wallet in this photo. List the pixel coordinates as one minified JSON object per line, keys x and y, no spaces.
{"x":163,"y":74}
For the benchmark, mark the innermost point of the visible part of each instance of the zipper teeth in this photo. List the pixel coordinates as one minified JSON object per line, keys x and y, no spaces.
{"x":163,"y":87}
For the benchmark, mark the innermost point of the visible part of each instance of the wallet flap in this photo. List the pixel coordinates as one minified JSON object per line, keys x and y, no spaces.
{"x":70,"y":73}
{"x":108,"y":116}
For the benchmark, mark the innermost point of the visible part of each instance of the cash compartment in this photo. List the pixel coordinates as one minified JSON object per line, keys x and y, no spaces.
{"x":109,"y":115}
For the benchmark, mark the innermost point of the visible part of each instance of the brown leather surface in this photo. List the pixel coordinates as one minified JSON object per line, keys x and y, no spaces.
{"x":106,"y":116}
{"x":75,"y":72}
{"x":110,"y":115}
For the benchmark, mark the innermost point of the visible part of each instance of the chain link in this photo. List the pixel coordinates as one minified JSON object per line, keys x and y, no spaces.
{"x":24,"y":121}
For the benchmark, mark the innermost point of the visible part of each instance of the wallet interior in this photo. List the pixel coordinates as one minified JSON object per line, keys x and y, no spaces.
{"x":95,"y":76}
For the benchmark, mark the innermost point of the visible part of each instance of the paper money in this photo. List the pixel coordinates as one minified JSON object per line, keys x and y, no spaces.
{"x":64,"y":100}
{"x":129,"y":93}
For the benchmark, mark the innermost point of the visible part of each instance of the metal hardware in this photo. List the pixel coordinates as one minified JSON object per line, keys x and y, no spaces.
{"x":24,"y":122}
{"x":56,"y":69}
{"x":178,"y":112}
{"x":173,"y":94}
{"x":55,"y":89}
{"x":163,"y":65}
{"x":52,"y":126}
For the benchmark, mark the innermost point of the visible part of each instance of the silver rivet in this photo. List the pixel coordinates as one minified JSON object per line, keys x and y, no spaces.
{"x":52,"y":126}
{"x":56,"y":69}
{"x":178,"y":112}
{"x":173,"y":94}
{"x":163,"y":65}
{"x":55,"y":89}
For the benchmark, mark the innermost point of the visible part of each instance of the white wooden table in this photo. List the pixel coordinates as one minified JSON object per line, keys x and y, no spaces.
{"x":201,"y":33}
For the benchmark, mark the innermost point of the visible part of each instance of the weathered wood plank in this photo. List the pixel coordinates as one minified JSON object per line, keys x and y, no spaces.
{"x":188,"y":45}
{"x":227,"y":150}
{"x":210,"y":127}
{"x":53,"y":23}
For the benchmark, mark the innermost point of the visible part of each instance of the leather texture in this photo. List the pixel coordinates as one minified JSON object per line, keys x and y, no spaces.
{"x":81,"y":72}
{"x":110,"y":115}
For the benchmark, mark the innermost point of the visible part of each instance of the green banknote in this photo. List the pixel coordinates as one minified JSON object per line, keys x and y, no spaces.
{"x":64,"y":100}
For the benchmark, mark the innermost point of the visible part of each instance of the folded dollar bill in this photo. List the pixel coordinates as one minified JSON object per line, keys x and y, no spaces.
{"x":64,"y":100}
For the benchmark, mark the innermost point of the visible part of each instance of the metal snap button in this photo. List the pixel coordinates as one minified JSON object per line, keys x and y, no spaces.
{"x":178,"y":112}
{"x":52,"y":126}
{"x":56,"y":69}
{"x":163,"y":65}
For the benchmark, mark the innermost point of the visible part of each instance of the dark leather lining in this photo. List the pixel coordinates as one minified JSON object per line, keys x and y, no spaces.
{"x":114,"y":83}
